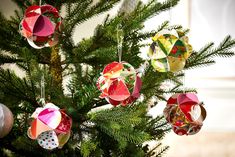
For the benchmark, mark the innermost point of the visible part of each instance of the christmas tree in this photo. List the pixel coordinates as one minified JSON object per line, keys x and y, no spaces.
{"x":121,"y":130}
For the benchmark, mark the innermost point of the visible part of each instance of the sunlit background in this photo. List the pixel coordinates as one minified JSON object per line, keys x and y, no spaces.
{"x":209,"y":20}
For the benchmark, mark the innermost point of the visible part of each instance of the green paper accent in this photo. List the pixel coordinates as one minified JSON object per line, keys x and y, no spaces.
{"x":160,"y":65}
{"x":163,"y":48}
{"x":181,"y":49}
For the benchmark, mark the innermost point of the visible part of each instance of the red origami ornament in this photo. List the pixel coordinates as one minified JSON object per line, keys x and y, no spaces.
{"x":119,"y":83}
{"x":41,"y":25}
{"x":185,"y":113}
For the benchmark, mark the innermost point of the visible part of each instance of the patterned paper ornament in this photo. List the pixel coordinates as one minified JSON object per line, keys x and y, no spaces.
{"x":169,"y":51}
{"x":6,"y":120}
{"x":41,"y":25}
{"x":185,"y":113}
{"x":51,"y":126}
{"x":119,"y":83}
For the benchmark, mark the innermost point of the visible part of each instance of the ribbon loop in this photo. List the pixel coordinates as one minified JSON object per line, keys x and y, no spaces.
{"x":120,"y":37}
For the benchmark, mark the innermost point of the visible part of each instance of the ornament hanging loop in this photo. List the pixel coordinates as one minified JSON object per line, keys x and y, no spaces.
{"x":120,"y":37}
{"x":170,"y":12}
{"x":184,"y":86}
{"x":43,"y":87}
{"x":40,"y":2}
{"x":42,"y":84}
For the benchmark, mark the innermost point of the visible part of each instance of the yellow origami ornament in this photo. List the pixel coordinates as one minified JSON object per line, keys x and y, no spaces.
{"x":169,"y":51}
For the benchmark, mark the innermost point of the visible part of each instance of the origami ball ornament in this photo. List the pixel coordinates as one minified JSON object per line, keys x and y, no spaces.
{"x":50,"y":126}
{"x":185,"y":113}
{"x":169,"y":51}
{"x":119,"y":83}
{"x":6,"y":120}
{"x":41,"y":25}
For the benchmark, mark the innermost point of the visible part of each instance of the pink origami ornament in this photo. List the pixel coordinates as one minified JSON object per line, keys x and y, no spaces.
{"x":119,"y":83}
{"x":185,"y":113}
{"x":50,"y":126}
{"x":41,"y":25}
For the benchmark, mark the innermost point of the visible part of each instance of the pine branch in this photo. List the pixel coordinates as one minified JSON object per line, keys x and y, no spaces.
{"x":141,"y":14}
{"x":151,"y":152}
{"x":84,"y":11}
{"x":162,"y":151}
{"x":8,"y":59}
{"x":8,"y":30}
{"x":207,"y":54}
{"x":119,"y":124}
{"x":15,"y":87}
{"x":124,"y":116}
{"x":22,"y":4}
{"x":139,"y":36}
{"x":87,"y":147}
{"x":157,"y":127}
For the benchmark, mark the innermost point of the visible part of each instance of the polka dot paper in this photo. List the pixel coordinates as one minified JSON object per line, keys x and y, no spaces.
{"x":50,"y":127}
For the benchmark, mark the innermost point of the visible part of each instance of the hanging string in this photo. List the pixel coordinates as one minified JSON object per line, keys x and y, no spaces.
{"x":184,"y":74}
{"x":40,"y":2}
{"x":184,"y":86}
{"x":43,"y":86}
{"x":170,"y":12}
{"x":120,"y":37}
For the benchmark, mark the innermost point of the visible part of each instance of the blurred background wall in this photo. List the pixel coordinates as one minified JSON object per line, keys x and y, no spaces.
{"x":209,"y":20}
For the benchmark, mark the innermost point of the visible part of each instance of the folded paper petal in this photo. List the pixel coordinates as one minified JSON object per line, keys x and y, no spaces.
{"x":137,"y":87}
{"x":34,"y":8}
{"x":49,"y":9}
{"x":31,"y":43}
{"x":36,"y":112}
{"x":63,"y":138}
{"x":37,"y":127}
{"x":118,"y":91}
{"x":188,"y":98}
{"x":48,"y":140}
{"x":173,"y":99}
{"x":203,"y":114}
{"x":29,"y":23}
{"x":179,"y":131}
{"x":51,"y":117}
{"x":65,"y":124}
{"x":113,"y":70}
{"x":113,"y":102}
{"x":43,"y":27}
{"x":160,"y":65}
{"x":51,"y":105}
{"x":194,"y":129}
{"x":176,"y":64}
